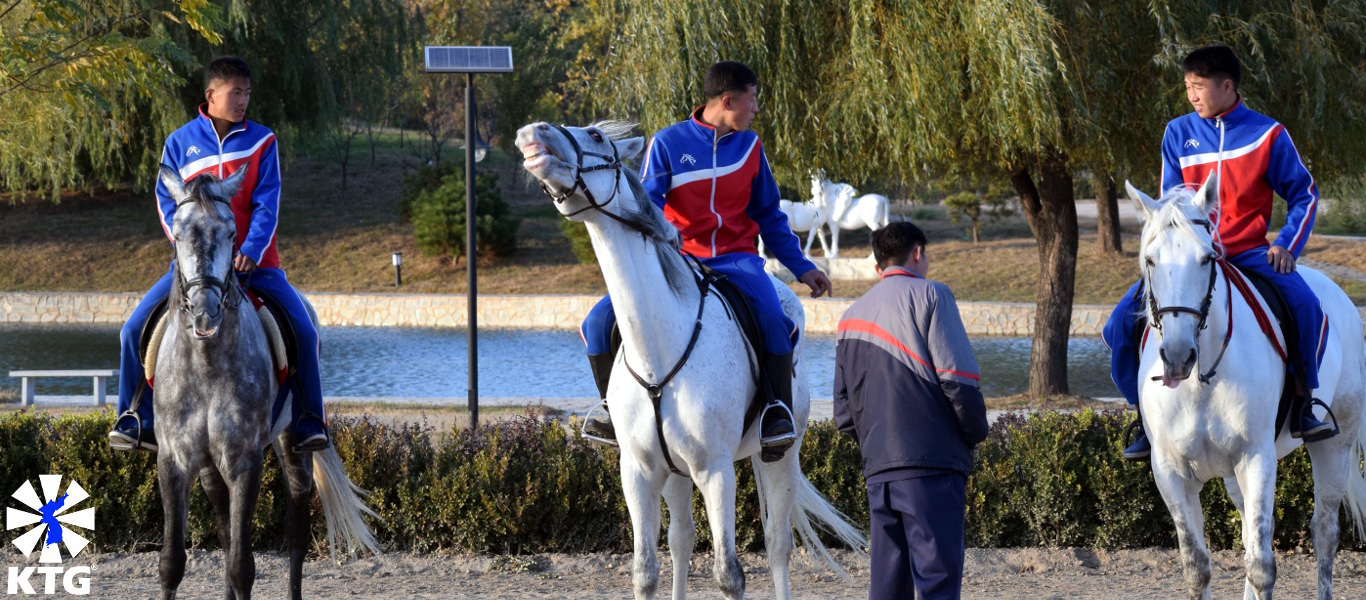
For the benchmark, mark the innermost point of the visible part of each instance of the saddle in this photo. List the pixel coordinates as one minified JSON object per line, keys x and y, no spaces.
{"x":283,"y":343}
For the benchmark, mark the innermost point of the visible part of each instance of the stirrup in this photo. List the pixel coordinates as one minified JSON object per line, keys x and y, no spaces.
{"x":140,"y":440}
{"x":598,"y":429}
{"x":313,"y":443}
{"x":1321,"y":434}
{"x":774,"y":447}
{"x":1131,"y":439}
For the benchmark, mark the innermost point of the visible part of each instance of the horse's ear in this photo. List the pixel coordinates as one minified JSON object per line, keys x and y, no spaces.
{"x":1208,"y":196}
{"x":1145,"y":204}
{"x":171,"y":179}
{"x":630,"y":147}
{"x":228,"y":187}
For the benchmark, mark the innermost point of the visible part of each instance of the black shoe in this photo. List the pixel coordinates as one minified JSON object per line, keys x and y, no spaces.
{"x":776,"y":432}
{"x":311,"y":435}
{"x":598,"y":428}
{"x":128,"y":434}
{"x":1308,"y":427}
{"x":1141,"y":450}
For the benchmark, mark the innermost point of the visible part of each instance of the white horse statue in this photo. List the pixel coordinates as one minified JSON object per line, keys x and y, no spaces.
{"x":845,"y":209}
{"x":1221,"y":423}
{"x":802,"y":216}
{"x":702,"y":390}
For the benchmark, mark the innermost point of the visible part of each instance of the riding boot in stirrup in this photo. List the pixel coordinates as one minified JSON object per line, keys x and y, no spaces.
{"x":598,"y":428}
{"x":128,"y":432}
{"x":1141,"y":449}
{"x":777,"y":432}
{"x":310,"y":427}
{"x":1306,"y":426}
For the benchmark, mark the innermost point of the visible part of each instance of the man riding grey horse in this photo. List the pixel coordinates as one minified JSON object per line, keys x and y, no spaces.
{"x":221,"y":141}
{"x":710,"y":176}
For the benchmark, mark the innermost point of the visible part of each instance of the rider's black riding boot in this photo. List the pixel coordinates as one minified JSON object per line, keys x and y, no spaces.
{"x":1303,"y":423}
{"x":598,"y":428}
{"x":1141,"y":450}
{"x":776,"y":429}
{"x":131,"y":429}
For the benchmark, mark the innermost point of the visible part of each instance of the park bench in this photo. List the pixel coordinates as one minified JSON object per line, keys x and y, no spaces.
{"x":26,"y":381}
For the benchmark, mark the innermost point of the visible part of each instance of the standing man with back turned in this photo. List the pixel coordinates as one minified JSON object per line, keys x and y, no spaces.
{"x":906,"y":389}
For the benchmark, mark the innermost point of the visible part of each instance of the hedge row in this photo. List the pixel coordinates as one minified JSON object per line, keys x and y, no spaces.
{"x":526,"y":486}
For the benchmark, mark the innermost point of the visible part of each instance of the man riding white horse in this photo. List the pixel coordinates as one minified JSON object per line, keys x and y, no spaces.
{"x":711,"y":177}
{"x":1253,"y":156}
{"x":222,"y":141}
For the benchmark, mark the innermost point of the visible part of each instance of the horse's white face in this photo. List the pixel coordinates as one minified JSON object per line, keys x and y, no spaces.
{"x":1177,"y":259}
{"x":204,"y":231}
{"x":581,"y":163}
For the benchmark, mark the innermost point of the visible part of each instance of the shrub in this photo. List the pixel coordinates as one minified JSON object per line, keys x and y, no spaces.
{"x":527,"y":486}
{"x":577,"y":234}
{"x":434,"y":201}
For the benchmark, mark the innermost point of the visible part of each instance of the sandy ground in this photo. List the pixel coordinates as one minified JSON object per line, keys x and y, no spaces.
{"x":1013,"y":573}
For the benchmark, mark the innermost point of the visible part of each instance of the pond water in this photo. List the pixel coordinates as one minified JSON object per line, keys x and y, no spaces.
{"x":430,"y":364}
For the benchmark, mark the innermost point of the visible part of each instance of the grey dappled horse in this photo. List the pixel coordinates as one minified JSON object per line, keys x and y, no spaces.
{"x":215,"y":383}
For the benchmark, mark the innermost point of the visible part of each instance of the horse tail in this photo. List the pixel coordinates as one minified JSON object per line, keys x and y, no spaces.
{"x":1356,"y":478}
{"x":810,"y":510}
{"x":344,"y":505}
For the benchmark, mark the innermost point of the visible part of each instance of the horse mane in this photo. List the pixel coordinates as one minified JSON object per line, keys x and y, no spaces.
{"x":1173,"y":214}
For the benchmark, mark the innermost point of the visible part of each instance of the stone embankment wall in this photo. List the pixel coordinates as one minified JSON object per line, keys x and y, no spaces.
{"x":496,"y":311}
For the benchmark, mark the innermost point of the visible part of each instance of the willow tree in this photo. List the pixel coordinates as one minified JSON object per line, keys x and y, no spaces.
{"x":85,"y":86}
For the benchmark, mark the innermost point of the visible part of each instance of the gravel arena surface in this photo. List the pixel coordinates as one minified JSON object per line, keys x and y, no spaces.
{"x":1033,"y":573}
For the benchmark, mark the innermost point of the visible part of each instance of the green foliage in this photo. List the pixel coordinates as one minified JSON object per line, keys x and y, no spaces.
{"x":434,"y":200}
{"x":529,"y":486}
{"x":579,"y":242}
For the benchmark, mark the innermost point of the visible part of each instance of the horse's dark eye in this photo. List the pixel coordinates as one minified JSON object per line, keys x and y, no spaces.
{"x":1150,"y":263}
{"x":597,"y":137}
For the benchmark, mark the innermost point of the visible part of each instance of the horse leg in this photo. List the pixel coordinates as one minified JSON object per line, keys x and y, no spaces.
{"x":776,"y":480}
{"x":1257,"y":479}
{"x":718,"y":492}
{"x":217,"y":491}
{"x":243,"y":487}
{"x":175,"y":507}
{"x":834,"y":240}
{"x":642,"y":501}
{"x":682,"y":530}
{"x":1330,"y":460}
{"x":1182,"y":497}
{"x":298,"y":531}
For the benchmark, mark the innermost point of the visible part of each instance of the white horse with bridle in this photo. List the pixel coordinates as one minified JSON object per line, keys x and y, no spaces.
{"x":1222,"y":422}
{"x":845,"y":209}
{"x":681,"y":383}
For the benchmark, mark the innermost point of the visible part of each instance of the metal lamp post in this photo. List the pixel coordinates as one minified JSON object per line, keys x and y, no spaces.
{"x":398,"y":269}
{"x":470,"y":60}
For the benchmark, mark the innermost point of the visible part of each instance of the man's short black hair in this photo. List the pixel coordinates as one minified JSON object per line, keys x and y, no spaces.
{"x":225,"y":68}
{"x":728,"y":76}
{"x":1212,"y":62}
{"x":893,"y":244}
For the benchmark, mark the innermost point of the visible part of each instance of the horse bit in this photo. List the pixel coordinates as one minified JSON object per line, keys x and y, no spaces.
{"x":1202,"y":313}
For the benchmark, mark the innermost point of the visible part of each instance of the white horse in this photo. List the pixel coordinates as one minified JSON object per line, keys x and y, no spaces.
{"x":703,"y":386}
{"x":844,"y":210}
{"x":1222,"y":422}
{"x":802,"y":216}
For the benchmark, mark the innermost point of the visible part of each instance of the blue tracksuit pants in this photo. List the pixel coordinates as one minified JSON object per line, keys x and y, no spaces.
{"x":746,"y":271}
{"x":1122,"y":330}
{"x":916,"y":541}
{"x":269,"y":282}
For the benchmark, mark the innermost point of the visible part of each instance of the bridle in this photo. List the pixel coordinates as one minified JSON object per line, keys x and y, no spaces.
{"x":613,"y":162}
{"x":226,"y":299}
{"x":1201,"y":313}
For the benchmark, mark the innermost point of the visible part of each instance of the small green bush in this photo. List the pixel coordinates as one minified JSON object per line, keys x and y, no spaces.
{"x":577,"y":234}
{"x":434,"y":201}
{"x":527,"y":486}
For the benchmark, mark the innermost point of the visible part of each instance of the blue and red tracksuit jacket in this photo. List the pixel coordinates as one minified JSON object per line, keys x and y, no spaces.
{"x":194,"y":149}
{"x":1258,"y":158}
{"x":719,"y":192}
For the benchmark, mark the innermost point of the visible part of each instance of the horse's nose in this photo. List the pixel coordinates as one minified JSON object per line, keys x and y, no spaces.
{"x":1177,"y":371}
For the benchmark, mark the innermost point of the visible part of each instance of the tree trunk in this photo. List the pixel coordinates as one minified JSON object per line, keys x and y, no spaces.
{"x":1107,"y":214}
{"x":1052,"y":213}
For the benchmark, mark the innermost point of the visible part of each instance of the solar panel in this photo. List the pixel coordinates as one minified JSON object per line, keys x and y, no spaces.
{"x":469,"y":59}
